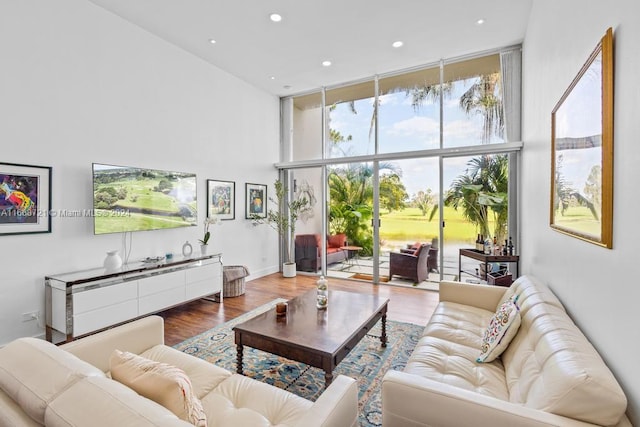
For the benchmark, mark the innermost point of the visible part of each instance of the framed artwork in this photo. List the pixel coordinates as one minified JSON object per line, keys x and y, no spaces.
{"x":25,"y":199}
{"x":256,"y":201}
{"x":582,"y":151}
{"x":221,"y":199}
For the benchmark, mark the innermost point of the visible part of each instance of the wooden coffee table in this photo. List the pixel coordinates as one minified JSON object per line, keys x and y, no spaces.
{"x":320,"y":338}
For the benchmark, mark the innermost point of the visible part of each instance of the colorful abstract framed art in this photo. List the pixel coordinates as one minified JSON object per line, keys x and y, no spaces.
{"x":256,"y":201}
{"x":25,"y":199}
{"x":221,"y":199}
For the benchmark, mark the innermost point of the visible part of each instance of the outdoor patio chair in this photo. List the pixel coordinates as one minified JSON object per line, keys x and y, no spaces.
{"x":432,"y":260}
{"x":411,"y":266}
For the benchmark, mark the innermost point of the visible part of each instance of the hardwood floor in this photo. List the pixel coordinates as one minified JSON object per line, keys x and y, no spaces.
{"x":405,"y":304}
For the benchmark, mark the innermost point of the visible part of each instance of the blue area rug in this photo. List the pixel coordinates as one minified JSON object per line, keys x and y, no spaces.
{"x":367,"y":362}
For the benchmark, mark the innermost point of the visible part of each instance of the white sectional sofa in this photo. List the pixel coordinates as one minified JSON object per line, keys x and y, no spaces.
{"x":549,"y":375}
{"x":41,"y":384}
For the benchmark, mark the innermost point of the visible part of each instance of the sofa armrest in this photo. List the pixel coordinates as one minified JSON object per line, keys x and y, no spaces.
{"x":11,"y":414}
{"x":411,"y":400}
{"x":337,"y":406}
{"x":134,"y":337}
{"x":481,"y":296}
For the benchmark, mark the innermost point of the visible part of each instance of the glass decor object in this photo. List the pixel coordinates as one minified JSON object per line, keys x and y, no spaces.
{"x":187,"y":249}
{"x":322,"y":297}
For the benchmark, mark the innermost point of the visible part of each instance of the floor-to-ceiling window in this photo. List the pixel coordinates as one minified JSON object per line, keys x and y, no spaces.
{"x":414,"y":147}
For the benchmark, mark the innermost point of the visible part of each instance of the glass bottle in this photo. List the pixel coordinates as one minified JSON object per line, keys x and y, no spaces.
{"x":322,"y":296}
{"x":487,"y":246}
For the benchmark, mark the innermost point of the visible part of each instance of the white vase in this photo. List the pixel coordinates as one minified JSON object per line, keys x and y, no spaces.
{"x":204,"y":249}
{"x":289,"y":269}
{"x":112,"y":261}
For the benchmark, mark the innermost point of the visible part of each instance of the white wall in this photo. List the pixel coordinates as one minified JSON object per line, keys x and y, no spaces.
{"x":599,"y":287}
{"x":80,"y":85}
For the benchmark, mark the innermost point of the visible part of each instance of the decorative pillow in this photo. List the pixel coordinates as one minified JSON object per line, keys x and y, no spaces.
{"x":164,"y":384}
{"x":502,"y":328}
{"x":336,"y":240}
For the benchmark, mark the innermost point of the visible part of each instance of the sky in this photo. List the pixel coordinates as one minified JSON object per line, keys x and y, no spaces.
{"x":579,"y":116}
{"x":402,"y":128}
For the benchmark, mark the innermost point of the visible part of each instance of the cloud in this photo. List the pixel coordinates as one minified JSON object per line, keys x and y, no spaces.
{"x":415,"y":126}
{"x":462,"y":129}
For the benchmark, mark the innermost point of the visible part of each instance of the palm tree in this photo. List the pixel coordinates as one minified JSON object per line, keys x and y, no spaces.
{"x":565,"y":194}
{"x":481,"y":193}
{"x":421,"y":93}
{"x":482,"y":98}
{"x":351,"y":201}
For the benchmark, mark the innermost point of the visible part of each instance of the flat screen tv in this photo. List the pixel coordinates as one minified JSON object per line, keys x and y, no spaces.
{"x":135,"y":199}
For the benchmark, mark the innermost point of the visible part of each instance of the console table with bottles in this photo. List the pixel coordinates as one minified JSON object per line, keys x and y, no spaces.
{"x":81,"y":302}
{"x":486,"y":259}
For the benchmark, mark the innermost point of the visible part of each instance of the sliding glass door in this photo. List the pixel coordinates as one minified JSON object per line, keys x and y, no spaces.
{"x":406,"y":161}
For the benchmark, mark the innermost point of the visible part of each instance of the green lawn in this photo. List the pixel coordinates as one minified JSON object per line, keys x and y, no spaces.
{"x":140,"y":197}
{"x":580,"y":219}
{"x":409,"y":225}
{"x":110,"y":222}
{"x":145,"y":196}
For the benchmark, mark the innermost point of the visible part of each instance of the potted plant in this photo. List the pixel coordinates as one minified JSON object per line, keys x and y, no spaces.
{"x":283,"y":220}
{"x":204,"y":242}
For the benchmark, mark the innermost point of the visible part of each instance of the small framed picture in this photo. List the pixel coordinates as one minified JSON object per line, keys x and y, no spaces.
{"x":221,"y":199}
{"x":25,"y":199}
{"x":256,"y":200}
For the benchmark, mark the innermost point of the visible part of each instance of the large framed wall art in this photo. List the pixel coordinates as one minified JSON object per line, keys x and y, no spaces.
{"x":25,"y":199}
{"x":582,"y":151}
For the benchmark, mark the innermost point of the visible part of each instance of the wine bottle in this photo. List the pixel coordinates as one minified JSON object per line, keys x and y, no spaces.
{"x":510,"y":246}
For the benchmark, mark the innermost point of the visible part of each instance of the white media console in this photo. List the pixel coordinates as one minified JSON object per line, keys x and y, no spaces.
{"x":82,"y":302}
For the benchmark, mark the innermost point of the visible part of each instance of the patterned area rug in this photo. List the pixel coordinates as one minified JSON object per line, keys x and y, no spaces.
{"x":367,"y":362}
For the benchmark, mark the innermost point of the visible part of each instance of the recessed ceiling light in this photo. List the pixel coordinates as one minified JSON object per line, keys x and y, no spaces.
{"x":326,"y":63}
{"x":480,"y":21}
{"x":397,"y":44}
{"x":272,"y":77}
{"x":212,"y":41}
{"x":275,"y":17}
{"x":286,"y":87}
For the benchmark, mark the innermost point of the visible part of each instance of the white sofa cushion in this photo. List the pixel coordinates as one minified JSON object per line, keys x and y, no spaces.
{"x":204,"y":376}
{"x":242,"y":401}
{"x":550,"y":365}
{"x":27,"y":386}
{"x":449,"y":347}
{"x":161,"y":382}
{"x":459,"y":323}
{"x":102,"y":402}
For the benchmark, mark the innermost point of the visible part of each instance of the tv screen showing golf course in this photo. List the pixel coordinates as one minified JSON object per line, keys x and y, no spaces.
{"x":136,"y":199}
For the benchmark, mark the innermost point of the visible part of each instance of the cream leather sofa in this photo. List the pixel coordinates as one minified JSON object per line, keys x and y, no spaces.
{"x":41,"y":384}
{"x":549,"y":375}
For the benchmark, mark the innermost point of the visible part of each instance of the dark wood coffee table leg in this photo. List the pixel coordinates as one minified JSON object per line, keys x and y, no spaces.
{"x":328,"y":379}
{"x":239,"y":349}
{"x":383,"y":337}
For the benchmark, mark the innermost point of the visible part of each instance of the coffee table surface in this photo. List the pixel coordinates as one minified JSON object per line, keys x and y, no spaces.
{"x":323,"y":331}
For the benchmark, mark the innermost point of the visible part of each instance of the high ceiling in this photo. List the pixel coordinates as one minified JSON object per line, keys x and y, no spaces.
{"x":285,"y":57}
